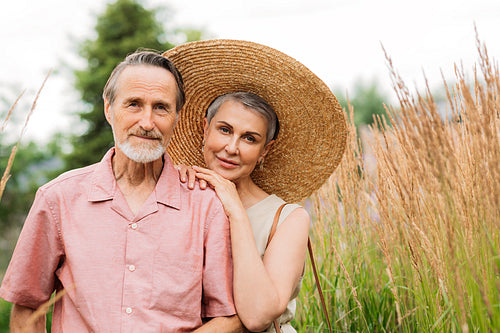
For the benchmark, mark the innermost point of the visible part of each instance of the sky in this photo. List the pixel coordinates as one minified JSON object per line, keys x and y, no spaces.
{"x":339,"y":40}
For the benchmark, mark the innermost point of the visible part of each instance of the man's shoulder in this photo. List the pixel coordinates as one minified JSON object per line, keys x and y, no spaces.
{"x":70,"y":178}
{"x":206,"y":199}
{"x":197,"y":192}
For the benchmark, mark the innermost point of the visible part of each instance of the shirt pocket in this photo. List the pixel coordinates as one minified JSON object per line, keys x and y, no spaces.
{"x":177,"y":278}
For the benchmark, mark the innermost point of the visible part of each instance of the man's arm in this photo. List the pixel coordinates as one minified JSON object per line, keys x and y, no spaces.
{"x":230,"y":324}
{"x":19,"y":318}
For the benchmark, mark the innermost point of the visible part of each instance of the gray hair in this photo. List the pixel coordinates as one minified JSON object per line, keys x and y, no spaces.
{"x":253,"y":102}
{"x":144,"y":58}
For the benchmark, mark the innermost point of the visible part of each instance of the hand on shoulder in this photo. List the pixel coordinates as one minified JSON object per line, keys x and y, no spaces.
{"x":187,"y":174}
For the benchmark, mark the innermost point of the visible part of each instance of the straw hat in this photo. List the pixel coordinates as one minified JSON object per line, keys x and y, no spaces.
{"x":312,"y":135}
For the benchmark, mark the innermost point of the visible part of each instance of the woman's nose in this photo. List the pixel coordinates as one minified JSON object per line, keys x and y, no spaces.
{"x":232,"y":146}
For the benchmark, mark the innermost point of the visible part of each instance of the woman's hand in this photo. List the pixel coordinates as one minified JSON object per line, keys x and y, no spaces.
{"x":225,"y":189}
{"x":187,"y":173}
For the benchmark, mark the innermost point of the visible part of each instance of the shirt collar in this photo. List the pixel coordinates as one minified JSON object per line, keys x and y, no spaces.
{"x":168,"y":186}
{"x":103,"y":186}
{"x":103,"y":183}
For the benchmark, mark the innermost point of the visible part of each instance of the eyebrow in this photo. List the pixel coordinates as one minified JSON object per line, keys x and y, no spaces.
{"x":247,"y":132}
{"x":139,"y":99}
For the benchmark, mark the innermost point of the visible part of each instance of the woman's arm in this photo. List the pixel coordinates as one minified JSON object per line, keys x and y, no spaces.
{"x":262,"y":288}
{"x":222,"y":324}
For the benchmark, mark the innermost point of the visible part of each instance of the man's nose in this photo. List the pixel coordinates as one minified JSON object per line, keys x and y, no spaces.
{"x":147,"y":121}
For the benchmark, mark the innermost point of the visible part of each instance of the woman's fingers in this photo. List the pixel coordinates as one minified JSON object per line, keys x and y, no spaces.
{"x":202,"y":170}
{"x":206,"y":177}
{"x":188,"y":174}
{"x":225,"y":188}
{"x":182,"y":169}
{"x":191,"y":174}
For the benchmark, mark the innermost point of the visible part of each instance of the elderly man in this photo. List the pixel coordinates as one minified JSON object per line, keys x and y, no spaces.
{"x":134,"y":249}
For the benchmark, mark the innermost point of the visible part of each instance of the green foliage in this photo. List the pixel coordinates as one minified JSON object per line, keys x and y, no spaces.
{"x":124,"y":27}
{"x":367,"y":100}
{"x":392,"y":302}
{"x":33,"y":166}
{"x":4,"y":316}
{"x":5,"y":308}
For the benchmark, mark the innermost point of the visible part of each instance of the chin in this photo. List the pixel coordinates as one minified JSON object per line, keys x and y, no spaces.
{"x":142,"y":154}
{"x":229,"y":175}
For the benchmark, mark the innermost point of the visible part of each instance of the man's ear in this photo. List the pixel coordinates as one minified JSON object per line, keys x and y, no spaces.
{"x":107,"y":111}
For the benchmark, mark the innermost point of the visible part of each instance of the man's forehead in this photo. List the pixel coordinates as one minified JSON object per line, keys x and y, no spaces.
{"x":142,"y":71}
{"x":146,"y":78}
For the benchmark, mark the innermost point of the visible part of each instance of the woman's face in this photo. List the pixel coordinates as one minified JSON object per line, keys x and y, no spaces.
{"x":235,"y":141}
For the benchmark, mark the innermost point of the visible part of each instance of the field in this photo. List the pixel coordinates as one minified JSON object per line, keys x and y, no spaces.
{"x":406,"y":231}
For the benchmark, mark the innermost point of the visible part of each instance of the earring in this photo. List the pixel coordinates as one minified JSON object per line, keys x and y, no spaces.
{"x":261,"y":164}
{"x":203,"y":146}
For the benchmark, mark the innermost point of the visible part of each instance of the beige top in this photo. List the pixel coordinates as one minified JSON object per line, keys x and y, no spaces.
{"x":261,"y":216}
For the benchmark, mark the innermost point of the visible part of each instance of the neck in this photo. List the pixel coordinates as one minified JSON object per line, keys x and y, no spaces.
{"x":135,"y":173}
{"x":249,"y":192}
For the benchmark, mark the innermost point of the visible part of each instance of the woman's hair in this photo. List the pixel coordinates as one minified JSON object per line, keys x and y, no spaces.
{"x":144,"y":58}
{"x":253,"y":102}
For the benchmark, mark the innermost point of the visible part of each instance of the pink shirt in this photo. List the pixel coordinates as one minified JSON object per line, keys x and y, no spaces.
{"x":159,"y":271}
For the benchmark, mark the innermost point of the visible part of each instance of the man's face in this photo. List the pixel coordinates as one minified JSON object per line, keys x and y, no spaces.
{"x":143,"y":114}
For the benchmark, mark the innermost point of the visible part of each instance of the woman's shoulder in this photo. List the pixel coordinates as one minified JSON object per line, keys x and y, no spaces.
{"x":278,"y":202}
{"x":290,"y":208}
{"x":269,"y":203}
{"x":272,"y":203}
{"x":261,"y":216}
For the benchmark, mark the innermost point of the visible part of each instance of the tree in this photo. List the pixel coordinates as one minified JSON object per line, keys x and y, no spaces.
{"x":367,"y":100}
{"x":124,"y":27}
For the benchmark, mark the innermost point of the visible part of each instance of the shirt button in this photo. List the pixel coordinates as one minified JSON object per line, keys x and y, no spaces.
{"x":131,"y":268}
{"x":133,"y":226}
{"x":128,"y":310}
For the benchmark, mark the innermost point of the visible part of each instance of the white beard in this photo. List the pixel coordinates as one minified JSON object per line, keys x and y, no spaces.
{"x":143,"y":153}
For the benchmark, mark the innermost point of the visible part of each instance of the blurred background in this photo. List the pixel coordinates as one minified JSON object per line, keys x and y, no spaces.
{"x":342,"y":41}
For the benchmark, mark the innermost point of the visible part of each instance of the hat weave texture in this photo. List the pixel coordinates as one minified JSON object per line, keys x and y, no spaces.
{"x":313,"y":132}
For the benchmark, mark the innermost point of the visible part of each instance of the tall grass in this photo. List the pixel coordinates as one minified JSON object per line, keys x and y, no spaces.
{"x":6,"y":173}
{"x":5,"y":307}
{"x":406,"y":232}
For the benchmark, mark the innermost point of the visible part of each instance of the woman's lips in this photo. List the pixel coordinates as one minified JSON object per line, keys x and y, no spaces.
{"x":228,"y":164}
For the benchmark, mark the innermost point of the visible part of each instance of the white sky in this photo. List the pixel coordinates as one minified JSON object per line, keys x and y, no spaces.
{"x":339,"y":40}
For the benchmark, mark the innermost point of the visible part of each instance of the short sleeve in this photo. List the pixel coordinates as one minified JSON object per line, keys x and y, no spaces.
{"x":218,"y":268}
{"x":30,"y":277}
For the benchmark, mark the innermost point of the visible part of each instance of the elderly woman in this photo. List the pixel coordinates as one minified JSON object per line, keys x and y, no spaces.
{"x":272,"y":134}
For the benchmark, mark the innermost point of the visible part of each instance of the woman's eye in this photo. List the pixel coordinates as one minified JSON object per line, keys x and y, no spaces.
{"x":224,"y":130}
{"x":250,"y":139}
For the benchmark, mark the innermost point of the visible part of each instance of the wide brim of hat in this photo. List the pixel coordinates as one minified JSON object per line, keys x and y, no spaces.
{"x":313,"y":131}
